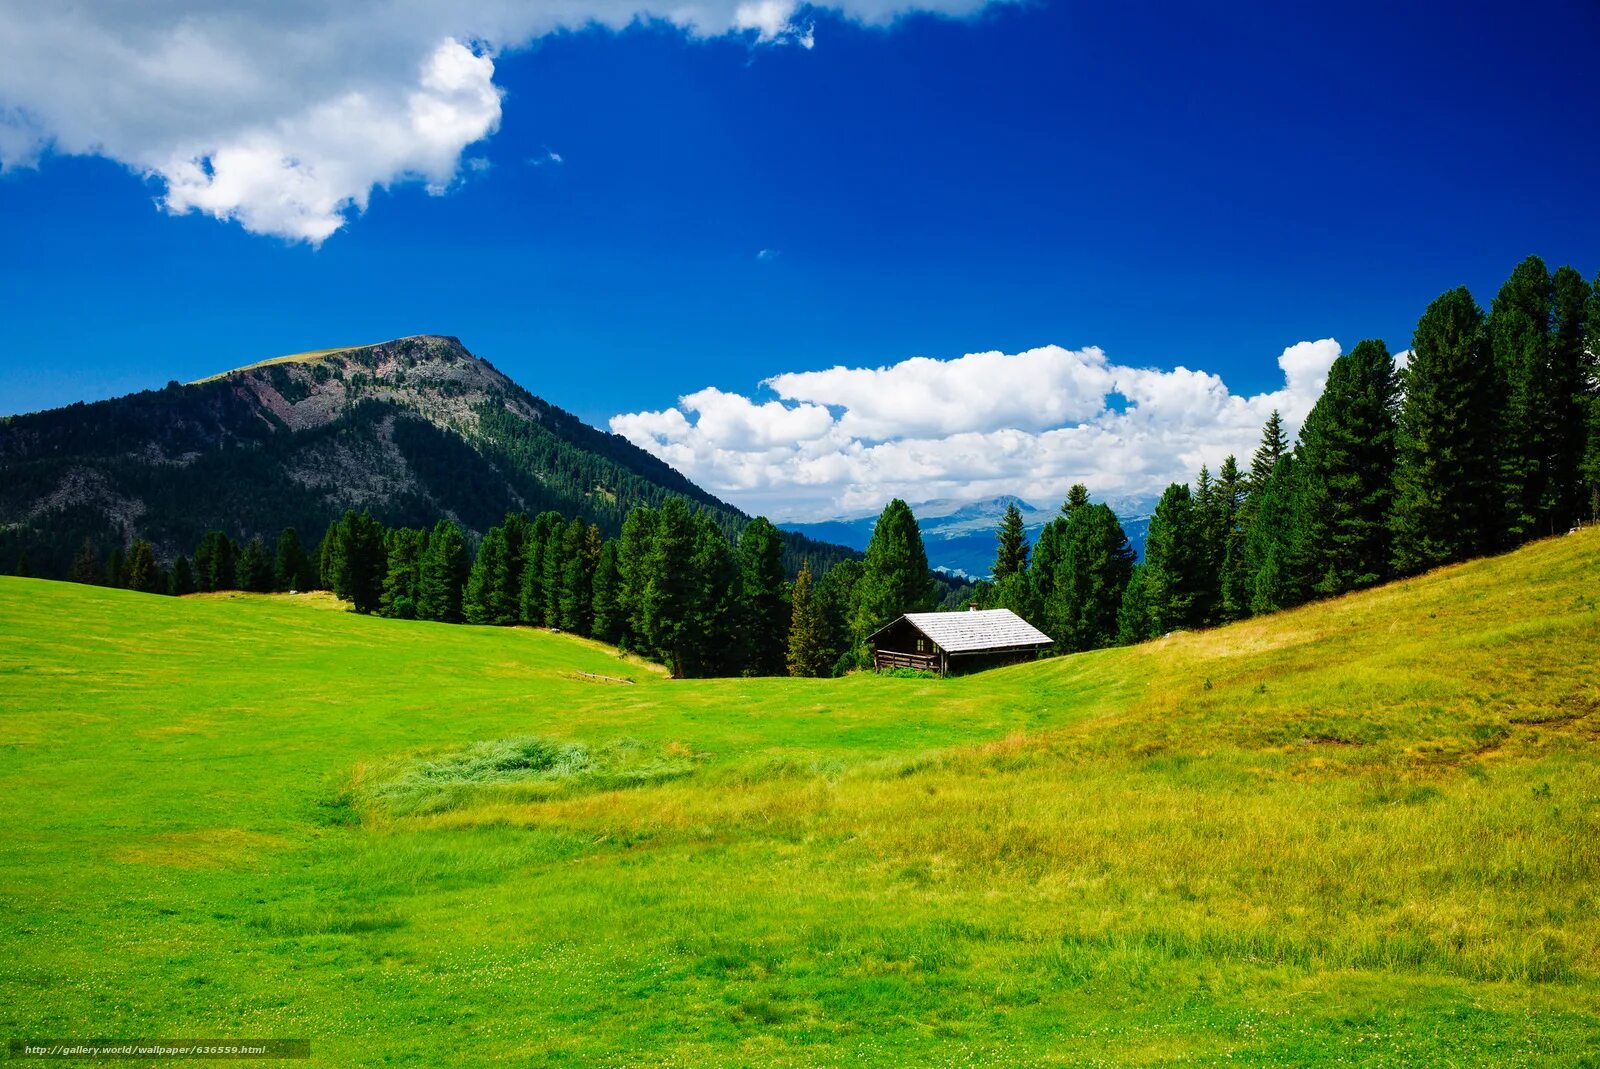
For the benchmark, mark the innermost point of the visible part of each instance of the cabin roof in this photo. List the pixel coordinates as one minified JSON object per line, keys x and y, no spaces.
{"x":974,"y":631}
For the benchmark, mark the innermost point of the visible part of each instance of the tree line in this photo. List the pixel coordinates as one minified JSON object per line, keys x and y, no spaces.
{"x":1488,"y":436}
{"x":671,"y":586}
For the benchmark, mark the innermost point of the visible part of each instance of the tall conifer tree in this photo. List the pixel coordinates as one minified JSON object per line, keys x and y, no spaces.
{"x":1275,"y":545}
{"x":633,"y":557}
{"x":402,"y":574}
{"x":713,"y":646}
{"x":358,"y":560}
{"x":1447,"y":501}
{"x":607,"y":615}
{"x":1519,"y":336}
{"x":255,"y":567}
{"x":669,"y":595}
{"x":1011,"y":551}
{"x":763,"y":599}
{"x":181,"y":581}
{"x":1010,"y":572}
{"x":1589,"y":465}
{"x":443,"y":574}
{"x":1348,"y":451}
{"x":895,"y":576}
{"x":1091,"y":580}
{"x":1172,"y":563}
{"x":481,"y":599}
{"x":291,"y":570}
{"x":1566,"y":420}
{"x":86,"y":565}
{"x":808,"y":638}
{"x":1233,"y":586}
{"x":144,"y":574}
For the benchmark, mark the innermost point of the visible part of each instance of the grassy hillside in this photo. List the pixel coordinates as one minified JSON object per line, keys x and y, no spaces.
{"x":1367,"y":831}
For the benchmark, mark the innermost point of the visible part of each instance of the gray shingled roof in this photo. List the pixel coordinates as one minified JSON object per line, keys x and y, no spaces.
{"x":971,"y":632}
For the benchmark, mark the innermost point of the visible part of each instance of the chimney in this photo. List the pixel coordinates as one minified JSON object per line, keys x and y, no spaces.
{"x":973,"y":607}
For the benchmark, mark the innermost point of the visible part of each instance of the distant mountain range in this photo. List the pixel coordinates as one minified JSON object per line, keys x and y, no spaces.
{"x":960,"y":536}
{"x":414,"y":430}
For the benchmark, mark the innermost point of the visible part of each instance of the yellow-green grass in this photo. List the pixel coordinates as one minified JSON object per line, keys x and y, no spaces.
{"x":1367,"y":832}
{"x":309,"y":357}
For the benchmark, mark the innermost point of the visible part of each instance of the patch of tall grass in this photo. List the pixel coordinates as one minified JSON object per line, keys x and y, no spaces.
{"x":516,"y":771}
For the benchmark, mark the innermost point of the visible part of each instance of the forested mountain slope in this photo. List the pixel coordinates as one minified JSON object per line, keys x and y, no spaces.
{"x":414,"y":429}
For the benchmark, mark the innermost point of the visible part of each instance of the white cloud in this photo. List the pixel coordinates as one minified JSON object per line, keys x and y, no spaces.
{"x":768,"y":255}
{"x":845,"y":440}
{"x":550,"y":158}
{"x":284,"y":117}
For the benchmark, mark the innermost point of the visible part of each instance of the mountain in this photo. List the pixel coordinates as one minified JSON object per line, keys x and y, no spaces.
{"x":960,"y":536}
{"x":414,"y":430}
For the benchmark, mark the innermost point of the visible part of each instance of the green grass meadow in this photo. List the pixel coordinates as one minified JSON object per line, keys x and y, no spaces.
{"x":1365,"y":832}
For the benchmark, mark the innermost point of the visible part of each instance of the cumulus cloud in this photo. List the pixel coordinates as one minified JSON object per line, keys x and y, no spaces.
{"x":284,"y":117}
{"x":845,"y":440}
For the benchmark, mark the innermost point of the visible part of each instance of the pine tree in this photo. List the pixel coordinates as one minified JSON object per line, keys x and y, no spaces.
{"x":1091,"y":580}
{"x":1567,"y":417}
{"x":144,"y":574}
{"x":1172,"y":563}
{"x":181,"y":581}
{"x":763,"y":600}
{"x":808,"y":639}
{"x":1211,"y":518}
{"x":1011,"y":554}
{"x":573,"y":576}
{"x":291,"y":570}
{"x":22,"y":570}
{"x":482,"y":601}
{"x":1589,"y":466}
{"x":116,"y":568}
{"x":214,"y":562}
{"x":1041,"y":600}
{"x":607,"y":578}
{"x":1274,"y":444}
{"x":443,"y":574}
{"x":1232,"y":485}
{"x":1077,"y":497}
{"x":1275,"y":546}
{"x":1133,"y":616}
{"x":404,"y":548}
{"x":895,"y":577}
{"x":255,"y":567}
{"x":1010,"y":576}
{"x":714,"y":648}
{"x":86,"y":566}
{"x":838,"y":598}
{"x":633,"y":572}
{"x":1447,"y":475}
{"x":358,"y":559}
{"x":508,"y":592}
{"x":1519,"y":335}
{"x":1348,"y":449}
{"x":668,"y":599}
{"x":536,"y":544}
{"x":326,"y":550}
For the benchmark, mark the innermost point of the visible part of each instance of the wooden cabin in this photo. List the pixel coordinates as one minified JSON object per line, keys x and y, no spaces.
{"x":947,"y":642}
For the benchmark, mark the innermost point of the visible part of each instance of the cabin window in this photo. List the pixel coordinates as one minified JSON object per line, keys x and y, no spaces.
{"x":922,"y":645}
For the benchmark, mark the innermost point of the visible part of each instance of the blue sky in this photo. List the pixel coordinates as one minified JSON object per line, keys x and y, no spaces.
{"x":1177,"y":184}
